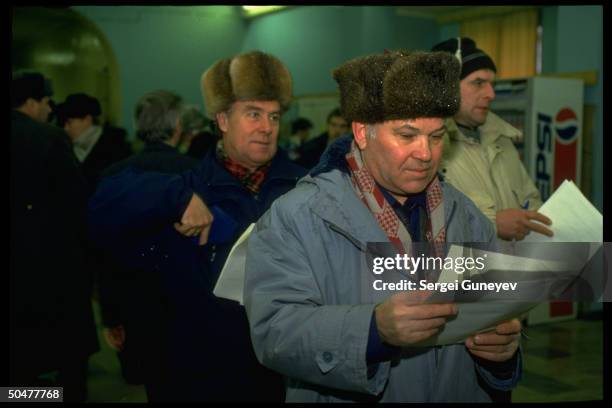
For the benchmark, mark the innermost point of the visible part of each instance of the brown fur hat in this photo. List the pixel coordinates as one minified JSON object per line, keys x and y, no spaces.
{"x":399,"y":85}
{"x":250,"y":76}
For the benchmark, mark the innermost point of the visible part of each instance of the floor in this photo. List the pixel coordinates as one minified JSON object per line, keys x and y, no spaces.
{"x":563,"y":361}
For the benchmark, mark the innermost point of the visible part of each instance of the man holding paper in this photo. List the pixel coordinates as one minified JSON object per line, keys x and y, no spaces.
{"x":190,"y":222}
{"x":480,"y":159}
{"x":310,"y":318}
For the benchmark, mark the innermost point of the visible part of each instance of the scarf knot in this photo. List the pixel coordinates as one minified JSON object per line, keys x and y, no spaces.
{"x":250,"y":179}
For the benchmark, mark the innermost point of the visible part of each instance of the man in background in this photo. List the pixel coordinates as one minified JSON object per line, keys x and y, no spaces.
{"x":311,"y":150}
{"x":138,"y":329}
{"x":480,"y":158}
{"x":52,"y":331}
{"x":186,"y":225}
{"x":300,"y":133}
{"x":95,"y":145}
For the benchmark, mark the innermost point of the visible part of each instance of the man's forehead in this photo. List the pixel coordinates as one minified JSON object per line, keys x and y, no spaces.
{"x":417,"y":123}
{"x":337,"y":120}
{"x":267,"y":106}
{"x":482,"y":74}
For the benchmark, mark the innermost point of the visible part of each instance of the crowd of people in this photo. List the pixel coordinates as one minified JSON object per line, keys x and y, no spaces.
{"x":148,"y":233}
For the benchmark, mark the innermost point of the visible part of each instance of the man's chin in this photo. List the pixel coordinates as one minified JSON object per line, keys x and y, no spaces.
{"x":416,"y":186}
{"x":262,"y":159}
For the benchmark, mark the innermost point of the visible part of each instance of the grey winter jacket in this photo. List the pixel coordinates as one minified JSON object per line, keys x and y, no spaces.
{"x":309,"y":306}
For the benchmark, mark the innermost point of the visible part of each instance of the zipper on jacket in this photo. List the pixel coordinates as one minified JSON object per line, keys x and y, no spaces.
{"x":437,"y":355}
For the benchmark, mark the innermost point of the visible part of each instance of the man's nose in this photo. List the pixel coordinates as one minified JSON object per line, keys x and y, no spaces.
{"x":423,"y":148}
{"x":490,"y":91}
{"x":265,"y":125}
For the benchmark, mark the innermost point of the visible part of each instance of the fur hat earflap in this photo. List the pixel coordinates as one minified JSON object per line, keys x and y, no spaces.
{"x":251,"y":76}
{"x":399,"y":85}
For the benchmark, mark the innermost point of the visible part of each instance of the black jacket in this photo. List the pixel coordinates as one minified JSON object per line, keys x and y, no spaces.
{"x":51,"y":317}
{"x":311,"y":151}
{"x":145,"y":321}
{"x":110,"y":148}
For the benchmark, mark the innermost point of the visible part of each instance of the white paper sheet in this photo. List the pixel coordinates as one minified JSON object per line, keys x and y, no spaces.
{"x":492,"y":308}
{"x":574,"y":219}
{"x":230,"y":284}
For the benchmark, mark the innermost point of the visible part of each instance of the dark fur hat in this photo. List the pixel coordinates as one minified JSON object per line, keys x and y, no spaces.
{"x":399,"y":85}
{"x":250,"y":76}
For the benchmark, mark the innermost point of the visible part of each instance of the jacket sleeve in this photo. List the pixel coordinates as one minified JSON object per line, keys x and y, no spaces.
{"x":532,"y":194}
{"x":507,"y":382}
{"x":135,"y":203}
{"x":293,"y":330}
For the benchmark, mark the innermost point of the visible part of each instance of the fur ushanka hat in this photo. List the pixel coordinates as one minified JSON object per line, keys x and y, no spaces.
{"x":399,"y":85}
{"x":251,"y":76}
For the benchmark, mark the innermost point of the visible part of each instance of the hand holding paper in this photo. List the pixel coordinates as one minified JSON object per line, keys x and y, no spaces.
{"x":404,"y":319}
{"x":496,"y":345}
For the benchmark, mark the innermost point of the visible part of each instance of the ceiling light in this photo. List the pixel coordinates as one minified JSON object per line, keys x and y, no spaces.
{"x":252,"y":11}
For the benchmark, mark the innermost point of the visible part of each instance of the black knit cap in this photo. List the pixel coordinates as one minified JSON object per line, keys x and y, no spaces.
{"x":78,"y":105}
{"x":472,"y":59}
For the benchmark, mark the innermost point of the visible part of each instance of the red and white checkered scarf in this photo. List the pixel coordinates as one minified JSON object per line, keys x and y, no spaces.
{"x":252,"y":180}
{"x":371,"y":195}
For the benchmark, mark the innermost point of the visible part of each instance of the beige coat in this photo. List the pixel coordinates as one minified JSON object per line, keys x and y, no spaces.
{"x":490,"y":173}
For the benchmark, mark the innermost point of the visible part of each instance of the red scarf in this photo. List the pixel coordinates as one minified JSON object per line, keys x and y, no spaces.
{"x":252,"y":180}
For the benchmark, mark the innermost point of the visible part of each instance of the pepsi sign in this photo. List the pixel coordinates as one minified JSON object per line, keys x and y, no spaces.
{"x":566,"y":146}
{"x":544,"y":154}
{"x":551,"y":170}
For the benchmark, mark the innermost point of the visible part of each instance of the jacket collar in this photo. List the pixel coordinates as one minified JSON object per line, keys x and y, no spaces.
{"x":334,"y":156}
{"x":281,"y":169}
{"x":159,"y":147}
{"x":494,"y":128}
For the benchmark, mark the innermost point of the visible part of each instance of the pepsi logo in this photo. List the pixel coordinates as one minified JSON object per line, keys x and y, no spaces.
{"x":566,"y":126}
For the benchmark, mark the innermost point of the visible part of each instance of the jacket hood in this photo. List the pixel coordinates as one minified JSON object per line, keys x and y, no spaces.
{"x":334,"y":156}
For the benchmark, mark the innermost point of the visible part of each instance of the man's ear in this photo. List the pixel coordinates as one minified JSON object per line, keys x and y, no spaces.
{"x":222,"y":121}
{"x":177,"y":135}
{"x":178,"y":128}
{"x":29,"y":106}
{"x":360,"y":134}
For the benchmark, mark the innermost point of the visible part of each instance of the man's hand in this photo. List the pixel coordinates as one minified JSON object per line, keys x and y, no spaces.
{"x":515,"y":223}
{"x":197,"y":220}
{"x":403,"y":319}
{"x":498,"y":345}
{"x":115,"y":337}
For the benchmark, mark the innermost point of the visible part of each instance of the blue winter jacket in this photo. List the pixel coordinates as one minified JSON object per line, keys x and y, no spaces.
{"x":310,"y":305}
{"x":131,"y":216}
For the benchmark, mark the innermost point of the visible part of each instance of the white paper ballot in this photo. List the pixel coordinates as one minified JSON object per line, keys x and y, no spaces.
{"x":492,"y":308}
{"x":230,"y":284}
{"x":574,"y":218}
